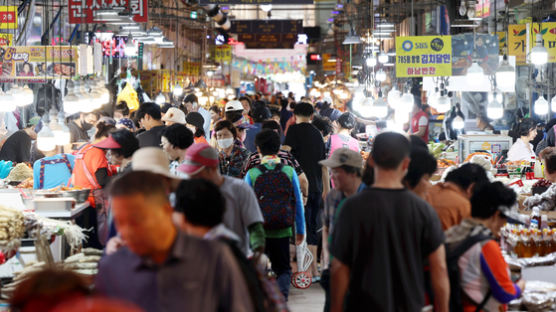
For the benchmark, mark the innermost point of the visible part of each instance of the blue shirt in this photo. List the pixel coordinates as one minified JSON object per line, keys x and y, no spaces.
{"x":54,"y":174}
{"x":250,"y":137}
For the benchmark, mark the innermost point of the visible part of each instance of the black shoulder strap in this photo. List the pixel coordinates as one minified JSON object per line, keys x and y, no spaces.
{"x":466,"y":244}
{"x":262,"y":168}
{"x":278,"y":167}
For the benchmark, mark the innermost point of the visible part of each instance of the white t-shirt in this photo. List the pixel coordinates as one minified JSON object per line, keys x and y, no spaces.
{"x":520,"y":151}
{"x":423,"y":121}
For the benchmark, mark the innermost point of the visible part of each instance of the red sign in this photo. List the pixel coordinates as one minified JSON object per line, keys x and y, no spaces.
{"x":82,"y":11}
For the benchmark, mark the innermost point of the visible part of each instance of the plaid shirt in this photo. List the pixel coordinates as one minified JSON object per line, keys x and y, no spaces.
{"x":233,"y":164}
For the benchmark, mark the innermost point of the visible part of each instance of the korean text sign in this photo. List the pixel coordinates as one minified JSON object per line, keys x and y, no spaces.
{"x":8,"y":17}
{"x":423,"y":56}
{"x":37,"y":63}
{"x":517,"y":42}
{"x":83,"y":11}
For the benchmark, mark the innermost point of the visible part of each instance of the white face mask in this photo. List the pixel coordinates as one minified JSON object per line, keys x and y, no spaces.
{"x":225,"y":143}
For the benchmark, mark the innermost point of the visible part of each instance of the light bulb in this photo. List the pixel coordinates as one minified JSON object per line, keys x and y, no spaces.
{"x":266,"y":7}
{"x":505,"y":74}
{"x":160,"y":99}
{"x":383,"y":58}
{"x":394,"y":97}
{"x":130,"y":49}
{"x":407,"y":101}
{"x":475,"y":74}
{"x":495,"y":109}
{"x":541,"y":106}
{"x":62,"y":133}
{"x":178,"y":90}
{"x":45,"y":139}
{"x":379,"y":108}
{"x":443,"y":104}
{"x":458,"y":123}
{"x":371,"y":61}
{"x":366,"y":108}
{"x":539,"y":54}
{"x":401,"y":116}
{"x":380,"y":75}
{"x":7,"y":104}
{"x":553,"y":104}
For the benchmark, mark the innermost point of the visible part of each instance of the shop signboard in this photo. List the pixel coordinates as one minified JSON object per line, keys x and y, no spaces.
{"x":206,"y":2}
{"x":37,"y":63}
{"x":548,"y":31}
{"x":327,"y":65}
{"x":486,"y":47}
{"x":6,"y":39}
{"x":8,"y":17}
{"x":517,"y":44}
{"x":83,"y":11}
{"x":223,"y":53}
{"x":423,"y":56}
{"x":267,"y":34}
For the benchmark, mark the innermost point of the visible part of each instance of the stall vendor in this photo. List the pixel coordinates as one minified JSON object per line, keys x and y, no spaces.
{"x":522,"y":148}
{"x":17,"y":147}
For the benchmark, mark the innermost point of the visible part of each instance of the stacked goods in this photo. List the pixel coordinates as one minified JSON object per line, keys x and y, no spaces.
{"x":526,"y":243}
{"x":45,"y":227}
{"x":8,"y":289}
{"x":12,"y":230}
{"x":85,"y":262}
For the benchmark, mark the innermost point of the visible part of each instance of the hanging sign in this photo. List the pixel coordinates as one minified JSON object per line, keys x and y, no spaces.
{"x":223,"y":53}
{"x":83,"y":11}
{"x":503,"y":41}
{"x":482,"y":9}
{"x":8,"y":17}
{"x":423,"y":56}
{"x":485,"y":46}
{"x":267,"y":34}
{"x":517,"y":44}
{"x":207,"y":2}
{"x":548,"y":32}
{"x":37,"y":63}
{"x":6,"y":39}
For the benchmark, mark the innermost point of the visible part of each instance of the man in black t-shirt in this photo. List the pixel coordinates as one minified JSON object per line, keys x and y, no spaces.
{"x":17,"y":147}
{"x":307,"y":146}
{"x":382,"y":239}
{"x":150,"y":119}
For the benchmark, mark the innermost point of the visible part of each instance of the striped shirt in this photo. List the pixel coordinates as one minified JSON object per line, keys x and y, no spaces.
{"x":285,"y":157}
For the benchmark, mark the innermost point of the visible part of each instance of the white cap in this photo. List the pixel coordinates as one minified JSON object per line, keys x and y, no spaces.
{"x":152,"y":159}
{"x":174,"y":115}
{"x":233,"y":106}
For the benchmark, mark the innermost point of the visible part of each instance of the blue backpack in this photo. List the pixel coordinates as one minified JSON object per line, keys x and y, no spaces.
{"x":274,"y":190}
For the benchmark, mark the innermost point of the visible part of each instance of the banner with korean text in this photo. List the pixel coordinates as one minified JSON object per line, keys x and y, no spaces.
{"x":37,"y":63}
{"x":423,"y":56}
{"x":8,"y":17}
{"x":85,"y":11}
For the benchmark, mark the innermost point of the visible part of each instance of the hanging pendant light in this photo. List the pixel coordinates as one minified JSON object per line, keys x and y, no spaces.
{"x":539,"y":54}
{"x":45,"y":138}
{"x":380,"y":75}
{"x":458,"y":123}
{"x":475,"y":74}
{"x":394,"y":97}
{"x":26,"y":96}
{"x":505,"y":74}
{"x":130,"y":49}
{"x":443,"y":103}
{"x":383,"y":58}
{"x":178,"y":90}
{"x":495,"y":109}
{"x":72,"y":101}
{"x":553,"y":104}
{"x":407,"y":101}
{"x":541,"y":106}
{"x":371,"y":61}
{"x":62,"y":133}
{"x":379,"y":108}
{"x":7,"y":102}
{"x":160,"y":99}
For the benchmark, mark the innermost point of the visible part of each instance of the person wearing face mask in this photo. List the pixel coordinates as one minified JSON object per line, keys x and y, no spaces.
{"x":80,"y":126}
{"x":120,"y":146}
{"x":175,"y":141}
{"x":232,"y":156}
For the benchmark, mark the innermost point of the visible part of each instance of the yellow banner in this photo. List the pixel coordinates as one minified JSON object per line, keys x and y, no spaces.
{"x":8,"y":17}
{"x":223,"y":53}
{"x":423,"y":56}
{"x":166,"y":80}
{"x":38,"y":62}
{"x":517,"y":44}
{"x":6,"y":39}
{"x":548,"y":31}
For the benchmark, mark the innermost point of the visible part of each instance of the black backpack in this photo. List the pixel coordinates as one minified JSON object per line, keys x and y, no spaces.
{"x":274,"y":191}
{"x":452,"y":257}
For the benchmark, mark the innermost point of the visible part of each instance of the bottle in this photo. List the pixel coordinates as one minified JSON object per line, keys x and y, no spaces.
{"x":519,"y":244}
{"x":532,"y":163}
{"x":553,"y":247}
{"x":528,"y":248}
{"x":535,"y":221}
{"x":546,"y":242}
{"x":544,"y":221}
{"x":538,"y":170}
{"x":512,"y":243}
{"x":537,"y":248}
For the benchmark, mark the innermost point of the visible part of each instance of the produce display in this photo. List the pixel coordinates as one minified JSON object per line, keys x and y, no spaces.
{"x":12,"y":229}
{"x":20,"y":173}
{"x":436,"y":149}
{"x":37,"y":225}
{"x":85,"y":262}
{"x":445,"y":163}
{"x":8,"y":289}
{"x":538,"y":296}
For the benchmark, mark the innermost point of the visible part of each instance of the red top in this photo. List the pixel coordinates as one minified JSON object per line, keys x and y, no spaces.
{"x":415,"y":125}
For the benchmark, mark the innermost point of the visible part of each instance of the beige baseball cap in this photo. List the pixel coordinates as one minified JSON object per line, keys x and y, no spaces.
{"x":343,"y":157}
{"x":152,"y":159}
{"x":175,"y":115}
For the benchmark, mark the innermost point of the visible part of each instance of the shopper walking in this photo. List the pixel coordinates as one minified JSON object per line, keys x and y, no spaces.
{"x":194,"y":121}
{"x":346,"y":166}
{"x":342,"y":136}
{"x":120,"y":146}
{"x":175,"y":141}
{"x":421,"y":168}
{"x":149,"y":117}
{"x":382,"y":238}
{"x":243,"y":215}
{"x":450,"y":199}
{"x":232,"y":156}
{"x":191,"y":103}
{"x":307,"y":145}
{"x":160,"y":268}
{"x":485,"y":282}
{"x":277,"y":189}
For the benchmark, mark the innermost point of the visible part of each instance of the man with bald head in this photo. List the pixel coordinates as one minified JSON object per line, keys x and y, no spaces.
{"x":160,"y":268}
